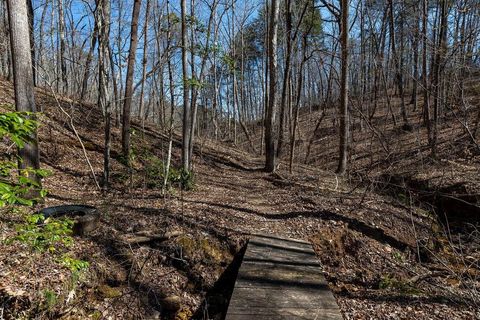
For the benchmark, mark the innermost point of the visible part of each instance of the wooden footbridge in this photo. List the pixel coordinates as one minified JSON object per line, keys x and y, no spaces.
{"x":281,"y":279}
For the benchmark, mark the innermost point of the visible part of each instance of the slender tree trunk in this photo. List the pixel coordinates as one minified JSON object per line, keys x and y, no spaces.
{"x":172,"y":101}
{"x":88,"y":62}
{"x":343,"y":144}
{"x":63,"y":60}
{"x":398,"y":70}
{"x":120,"y":66}
{"x":186,"y":161}
{"x":129,"y":81}
{"x":270,"y":153}
{"x":234,"y":68}
{"x":103,"y":28}
{"x":437,"y":71}
{"x":297,"y":103}
{"x":286,"y":73}
{"x":141,"y":111}
{"x":116,"y":99}
{"x":203,"y":63}
{"x":32,"y":39}
{"x":215,"y":80}
{"x":416,"y":44}
{"x":426,"y":98}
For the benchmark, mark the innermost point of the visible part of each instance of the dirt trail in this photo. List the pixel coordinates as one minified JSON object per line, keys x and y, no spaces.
{"x":361,"y":238}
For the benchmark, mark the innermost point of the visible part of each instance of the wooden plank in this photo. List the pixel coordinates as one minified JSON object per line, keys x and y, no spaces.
{"x":283,"y":314}
{"x":283,"y":298}
{"x":281,"y":279}
{"x":279,"y":275}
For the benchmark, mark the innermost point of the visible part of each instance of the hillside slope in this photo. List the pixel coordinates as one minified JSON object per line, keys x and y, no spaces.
{"x":383,"y":258}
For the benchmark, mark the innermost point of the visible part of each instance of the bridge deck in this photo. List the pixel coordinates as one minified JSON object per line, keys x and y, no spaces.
{"x":281,"y":279}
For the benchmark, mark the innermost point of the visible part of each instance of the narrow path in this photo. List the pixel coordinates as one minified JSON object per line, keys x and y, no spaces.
{"x":250,"y":201}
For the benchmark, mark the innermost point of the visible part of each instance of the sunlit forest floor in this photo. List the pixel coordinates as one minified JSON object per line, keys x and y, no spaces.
{"x":382,"y":250}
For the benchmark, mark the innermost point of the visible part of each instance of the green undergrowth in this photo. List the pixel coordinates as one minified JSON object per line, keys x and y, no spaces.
{"x":146,"y":168}
{"x":390,"y":282}
{"x":20,"y":190}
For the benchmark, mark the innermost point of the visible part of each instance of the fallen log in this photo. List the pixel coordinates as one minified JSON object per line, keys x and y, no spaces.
{"x":146,"y":236}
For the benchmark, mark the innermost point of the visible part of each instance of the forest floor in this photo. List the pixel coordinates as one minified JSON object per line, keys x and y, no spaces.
{"x":383,"y":256}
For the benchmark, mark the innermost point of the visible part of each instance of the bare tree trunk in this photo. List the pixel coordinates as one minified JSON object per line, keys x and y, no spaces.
{"x":437,"y":70}
{"x":88,"y":62}
{"x":141,"y":111}
{"x":289,"y":38}
{"x":32,"y":39}
{"x":7,"y":54}
{"x":194,"y":92}
{"x":103,"y":27}
{"x":398,"y":69}
{"x":23,"y":79}
{"x":234,"y":82}
{"x":297,"y":103}
{"x":215,"y":80}
{"x":129,"y":81}
{"x":286,"y":73}
{"x":426,"y":97}
{"x":172,"y":102}
{"x":270,"y":153}
{"x":343,"y":145}
{"x":186,"y":161}
{"x":116,"y":94}
{"x":416,"y":44}
{"x":63,"y":60}
{"x":121,"y":92}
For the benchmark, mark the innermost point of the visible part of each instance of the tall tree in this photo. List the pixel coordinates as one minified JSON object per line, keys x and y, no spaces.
{"x":416,"y":45}
{"x":438,"y":67}
{"x":32,"y":38}
{"x":23,"y":77}
{"x":141,"y":111}
{"x":343,"y":149}
{"x":62,"y":75}
{"x":286,"y":72}
{"x":88,"y":62}
{"x":270,"y":153}
{"x":102,"y":17}
{"x":290,"y":37}
{"x":203,"y":63}
{"x":398,"y":61}
{"x":187,"y":130}
{"x":426,"y":94}
{"x":172,"y":96}
{"x":127,"y":105}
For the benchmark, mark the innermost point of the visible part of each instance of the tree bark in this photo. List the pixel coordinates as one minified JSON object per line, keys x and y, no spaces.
{"x":103,"y":27}
{"x":88,"y":62}
{"x":286,"y":73}
{"x":172,"y":102}
{"x":343,"y":143}
{"x":63,"y":61}
{"x":186,"y":132}
{"x":437,"y":70}
{"x":270,"y":153}
{"x":32,"y":39}
{"x":23,"y":79}
{"x":203,"y":63}
{"x":129,"y":81}
{"x":398,"y":69}
{"x":426,"y":94}
{"x":141,"y":111}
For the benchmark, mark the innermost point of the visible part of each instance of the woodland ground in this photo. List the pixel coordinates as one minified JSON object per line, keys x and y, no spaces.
{"x":381,"y":248}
